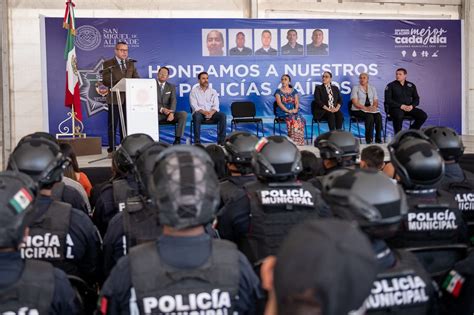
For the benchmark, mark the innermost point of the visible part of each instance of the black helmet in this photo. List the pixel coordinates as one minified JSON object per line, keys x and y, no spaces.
{"x":17,"y":193}
{"x":276,"y":158}
{"x":185,"y":187}
{"x":39,"y":135}
{"x":328,"y":179}
{"x":448,"y":142}
{"x":239,"y":147}
{"x":146,"y":163}
{"x":338,"y":144}
{"x":371,"y":199}
{"x":416,"y":160}
{"x":129,"y":150}
{"x":39,"y":158}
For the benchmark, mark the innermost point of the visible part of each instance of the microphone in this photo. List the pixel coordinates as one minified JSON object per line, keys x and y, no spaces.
{"x":132,"y":60}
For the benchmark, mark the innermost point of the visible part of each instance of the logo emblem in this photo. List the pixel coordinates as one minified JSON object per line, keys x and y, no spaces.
{"x":87,"y":37}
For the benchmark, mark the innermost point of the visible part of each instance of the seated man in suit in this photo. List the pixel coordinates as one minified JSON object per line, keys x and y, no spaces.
{"x":204,"y":102}
{"x":167,"y":104}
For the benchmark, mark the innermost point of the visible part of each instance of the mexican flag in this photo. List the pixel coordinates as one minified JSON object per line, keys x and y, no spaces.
{"x":73,"y":98}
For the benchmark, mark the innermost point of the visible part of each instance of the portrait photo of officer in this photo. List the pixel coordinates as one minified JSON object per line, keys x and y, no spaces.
{"x":318,"y":42}
{"x":292,"y":47}
{"x":243,"y":39}
{"x":213,"y":42}
{"x":265,"y":39}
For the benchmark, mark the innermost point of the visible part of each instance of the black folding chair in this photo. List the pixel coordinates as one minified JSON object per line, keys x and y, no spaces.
{"x":244,"y":113}
{"x":354,"y":119}
{"x":389,"y":118}
{"x":169,"y":123}
{"x":277,"y":120}
{"x":316,"y":121}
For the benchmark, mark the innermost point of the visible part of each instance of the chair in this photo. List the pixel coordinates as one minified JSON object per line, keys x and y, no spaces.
{"x":354,"y":120}
{"x":281,"y":120}
{"x":277,"y":120}
{"x":244,"y":113}
{"x":204,"y":122}
{"x":389,"y":118}
{"x":169,"y":123}
{"x":317,"y":121}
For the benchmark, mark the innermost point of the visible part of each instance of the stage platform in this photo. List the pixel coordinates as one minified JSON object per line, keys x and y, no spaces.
{"x":88,"y":161}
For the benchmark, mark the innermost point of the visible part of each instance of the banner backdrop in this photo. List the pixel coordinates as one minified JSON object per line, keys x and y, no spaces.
{"x":430,"y":50}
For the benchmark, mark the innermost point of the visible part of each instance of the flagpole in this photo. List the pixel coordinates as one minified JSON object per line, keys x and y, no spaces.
{"x":76,"y":130}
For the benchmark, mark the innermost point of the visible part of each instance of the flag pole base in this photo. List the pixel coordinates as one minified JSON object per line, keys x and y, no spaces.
{"x":74,"y":130}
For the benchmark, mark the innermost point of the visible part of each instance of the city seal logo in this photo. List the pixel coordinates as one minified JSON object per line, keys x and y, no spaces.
{"x":88,"y":37}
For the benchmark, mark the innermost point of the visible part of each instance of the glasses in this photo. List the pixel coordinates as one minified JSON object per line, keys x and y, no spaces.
{"x":123,"y":50}
{"x":326,"y":76}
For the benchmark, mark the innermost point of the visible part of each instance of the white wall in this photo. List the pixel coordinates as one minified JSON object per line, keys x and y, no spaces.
{"x":25,"y":51}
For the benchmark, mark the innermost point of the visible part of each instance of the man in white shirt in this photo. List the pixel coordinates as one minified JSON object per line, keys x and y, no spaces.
{"x":205,"y":106}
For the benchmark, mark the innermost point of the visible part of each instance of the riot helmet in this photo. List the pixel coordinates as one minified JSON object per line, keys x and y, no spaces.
{"x":448,"y":142}
{"x":339,"y":145}
{"x":239,"y":147}
{"x":184,"y":186}
{"x":146,"y":162}
{"x":369,"y":198}
{"x":39,"y":158}
{"x":276,"y":158}
{"x":129,"y":150}
{"x":416,"y":160}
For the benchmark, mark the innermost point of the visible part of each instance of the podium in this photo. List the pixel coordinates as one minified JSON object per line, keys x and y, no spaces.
{"x":142,"y":106}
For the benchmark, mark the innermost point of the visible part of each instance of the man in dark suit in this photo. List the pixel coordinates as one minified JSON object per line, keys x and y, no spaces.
{"x":167,"y":104}
{"x":240,"y":49}
{"x":120,"y":67}
{"x":327,"y":103}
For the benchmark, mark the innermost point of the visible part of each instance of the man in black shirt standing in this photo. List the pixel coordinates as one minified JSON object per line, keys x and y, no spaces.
{"x":402,"y":100}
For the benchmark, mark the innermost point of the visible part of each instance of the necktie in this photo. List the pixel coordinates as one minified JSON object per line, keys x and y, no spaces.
{"x":124,"y":69}
{"x":162,"y":85}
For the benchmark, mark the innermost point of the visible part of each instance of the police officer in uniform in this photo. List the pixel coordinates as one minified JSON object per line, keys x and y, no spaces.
{"x":239,"y":147}
{"x":402,"y":100}
{"x":377,"y":205}
{"x":458,"y":182}
{"x":138,"y":222}
{"x":259,"y":220}
{"x":61,"y":191}
{"x":26,"y":286}
{"x":60,"y":234}
{"x":114,"y":195}
{"x":432,"y":220}
{"x":339,"y":150}
{"x":184,"y":271}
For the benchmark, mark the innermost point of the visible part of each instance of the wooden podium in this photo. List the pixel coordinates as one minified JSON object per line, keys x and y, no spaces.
{"x":142,"y":106}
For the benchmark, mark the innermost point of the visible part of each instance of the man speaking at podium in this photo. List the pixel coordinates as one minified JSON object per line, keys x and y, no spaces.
{"x":116,"y":69}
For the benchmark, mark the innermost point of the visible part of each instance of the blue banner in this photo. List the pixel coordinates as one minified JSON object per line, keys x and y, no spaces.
{"x":245,"y":59}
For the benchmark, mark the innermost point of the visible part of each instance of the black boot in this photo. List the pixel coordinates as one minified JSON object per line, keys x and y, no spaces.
{"x":177,"y":140}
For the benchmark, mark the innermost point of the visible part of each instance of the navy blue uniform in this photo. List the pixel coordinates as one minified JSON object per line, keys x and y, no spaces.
{"x":233,"y":220}
{"x":183,"y":253}
{"x":64,"y":298}
{"x":83,"y":242}
{"x":114,"y":243}
{"x":105,"y":207}
{"x":74,"y":198}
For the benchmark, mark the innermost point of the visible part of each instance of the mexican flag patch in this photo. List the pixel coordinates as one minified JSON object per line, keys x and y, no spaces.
{"x":21,"y":200}
{"x":453,"y":283}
